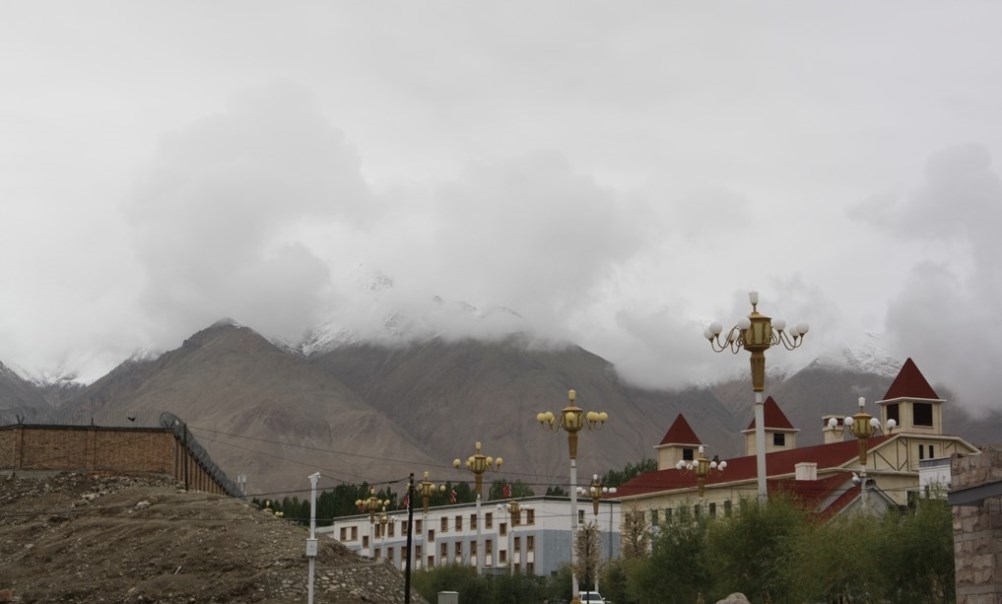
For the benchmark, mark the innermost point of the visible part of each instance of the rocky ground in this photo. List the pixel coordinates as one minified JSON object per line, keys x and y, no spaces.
{"x":80,"y":538}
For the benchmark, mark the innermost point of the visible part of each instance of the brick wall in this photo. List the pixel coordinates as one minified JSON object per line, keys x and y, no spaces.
{"x":103,"y":449}
{"x":977,"y":531}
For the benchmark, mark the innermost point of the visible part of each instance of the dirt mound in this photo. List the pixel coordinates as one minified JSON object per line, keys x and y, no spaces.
{"x":83,"y":538}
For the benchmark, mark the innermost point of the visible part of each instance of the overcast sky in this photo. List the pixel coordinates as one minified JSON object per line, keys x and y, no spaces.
{"x":612,"y":174}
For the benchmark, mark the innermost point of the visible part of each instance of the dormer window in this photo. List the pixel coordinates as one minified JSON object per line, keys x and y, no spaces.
{"x":687,"y":454}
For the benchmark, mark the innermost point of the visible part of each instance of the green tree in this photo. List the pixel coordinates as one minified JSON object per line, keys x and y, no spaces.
{"x":676,"y":570}
{"x":556,"y":491}
{"x":519,"y":489}
{"x":588,"y":549}
{"x":614,"y":478}
{"x":751,"y":552}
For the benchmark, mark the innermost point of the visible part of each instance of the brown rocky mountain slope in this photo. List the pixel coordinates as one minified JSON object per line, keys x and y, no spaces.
{"x":77,"y":538}
{"x":258,"y":410}
{"x":453,"y":393}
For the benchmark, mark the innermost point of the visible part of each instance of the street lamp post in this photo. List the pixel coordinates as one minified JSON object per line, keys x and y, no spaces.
{"x":371,"y":504}
{"x":597,"y":491}
{"x":863,"y":426}
{"x":572,"y":420}
{"x":426,"y":488}
{"x":478,"y":463}
{"x":511,"y":510}
{"x":756,"y":333}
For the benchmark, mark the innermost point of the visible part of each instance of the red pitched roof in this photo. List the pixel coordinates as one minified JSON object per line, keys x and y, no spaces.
{"x":910,"y":383}
{"x":680,"y":433}
{"x":774,"y":417}
{"x":777,"y":463}
{"x":812,"y":494}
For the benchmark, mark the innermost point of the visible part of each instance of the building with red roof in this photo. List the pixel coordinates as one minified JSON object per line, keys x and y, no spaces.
{"x":841,"y":474}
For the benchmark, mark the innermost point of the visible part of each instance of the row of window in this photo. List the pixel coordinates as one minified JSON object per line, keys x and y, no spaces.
{"x":390,"y":528}
{"x":530,"y":545}
{"x":656,"y":516}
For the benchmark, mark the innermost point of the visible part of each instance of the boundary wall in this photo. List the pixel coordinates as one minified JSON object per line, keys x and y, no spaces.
{"x":112,"y":450}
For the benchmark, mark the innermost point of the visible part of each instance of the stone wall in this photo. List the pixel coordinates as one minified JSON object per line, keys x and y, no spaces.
{"x":102,"y":450}
{"x":977,"y":531}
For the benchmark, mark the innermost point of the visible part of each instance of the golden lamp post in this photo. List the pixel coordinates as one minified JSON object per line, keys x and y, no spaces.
{"x":756,"y":333}
{"x":511,"y":509}
{"x":572,"y":420}
{"x":863,"y":426}
{"x":371,"y":504}
{"x":478,"y":463}
{"x":596,"y":491}
{"x":701,"y":467}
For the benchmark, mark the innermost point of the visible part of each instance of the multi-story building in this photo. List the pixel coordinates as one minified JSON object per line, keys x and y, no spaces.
{"x":535,"y":540}
{"x":900,"y":464}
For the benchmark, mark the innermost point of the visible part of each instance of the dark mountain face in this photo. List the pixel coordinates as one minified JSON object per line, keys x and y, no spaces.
{"x":21,"y":400}
{"x":371,"y":413}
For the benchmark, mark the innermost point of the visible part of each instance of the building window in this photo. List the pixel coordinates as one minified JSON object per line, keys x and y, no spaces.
{"x":379,"y":530}
{"x":727,"y":509}
{"x":667,"y":514}
{"x":712,"y":510}
{"x":473,"y":549}
{"x":921,"y":451}
{"x":379,"y":554}
{"x":391,"y":525}
{"x":922,"y":414}
{"x":581,"y":517}
{"x":530,"y":543}
{"x":459,"y":523}
{"x":417,"y":553}
{"x":516,"y":518}
{"x":502,"y":528}
{"x":530,"y":516}
{"x":473,"y":522}
{"x":489,"y":520}
{"x":488,"y":548}
{"x":365,"y":541}
{"x":932,"y":452}
{"x":530,"y":568}
{"x":445,"y":524}
{"x":431,"y":561}
{"x":687,"y":454}
{"x":893,"y":412}
{"x":390,"y":553}
{"x":518,"y":544}
{"x":344,"y":533}
{"x":445,"y":551}
{"x":417,"y":526}
{"x":431,"y":534}
{"x":502,"y":556}
{"x":459,"y":551}
{"x":354,"y":533}
{"x":697,"y":510}
{"x":403,"y":527}
{"x":654,"y":518}
{"x":778,"y":439}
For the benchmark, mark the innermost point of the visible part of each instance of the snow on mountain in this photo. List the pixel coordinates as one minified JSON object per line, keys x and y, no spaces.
{"x":867,"y":357}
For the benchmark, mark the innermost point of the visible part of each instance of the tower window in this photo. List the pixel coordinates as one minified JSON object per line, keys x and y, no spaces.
{"x":893,"y":412}
{"x":922,"y":413}
{"x":687,"y":454}
{"x":779,"y":439}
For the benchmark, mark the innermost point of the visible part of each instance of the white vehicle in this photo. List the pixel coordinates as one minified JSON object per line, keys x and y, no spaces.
{"x":592,"y":597}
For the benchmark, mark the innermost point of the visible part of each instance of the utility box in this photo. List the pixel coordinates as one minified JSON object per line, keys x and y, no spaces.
{"x":448,"y":597}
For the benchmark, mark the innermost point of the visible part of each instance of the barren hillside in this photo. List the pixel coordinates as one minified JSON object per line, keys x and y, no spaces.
{"x":78,"y":538}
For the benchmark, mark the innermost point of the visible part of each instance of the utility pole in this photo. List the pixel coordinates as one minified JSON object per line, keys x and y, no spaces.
{"x":410,"y":536}
{"x":311,"y":543}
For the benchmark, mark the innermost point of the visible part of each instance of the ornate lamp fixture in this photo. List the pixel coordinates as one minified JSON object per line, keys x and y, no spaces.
{"x":596,"y":491}
{"x":862,"y":425}
{"x":701,"y":467}
{"x":372,"y":504}
{"x":478,"y":463}
{"x":756,"y":333}
{"x":426,"y":489}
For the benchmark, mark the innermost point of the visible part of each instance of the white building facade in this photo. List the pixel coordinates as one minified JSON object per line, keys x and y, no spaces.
{"x":536,"y":540}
